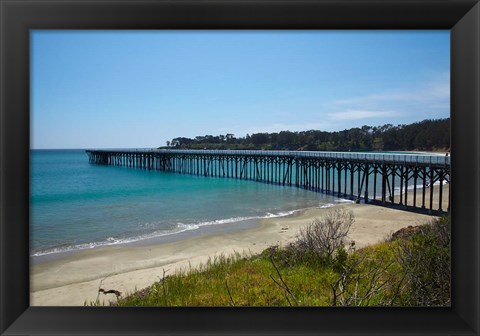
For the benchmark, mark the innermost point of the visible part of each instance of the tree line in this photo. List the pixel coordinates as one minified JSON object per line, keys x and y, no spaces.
{"x":426,"y":135}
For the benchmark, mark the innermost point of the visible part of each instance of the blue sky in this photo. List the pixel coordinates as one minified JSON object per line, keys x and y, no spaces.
{"x":125,"y":89}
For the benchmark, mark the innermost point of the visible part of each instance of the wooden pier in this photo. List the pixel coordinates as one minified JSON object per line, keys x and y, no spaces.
{"x":386,"y":179}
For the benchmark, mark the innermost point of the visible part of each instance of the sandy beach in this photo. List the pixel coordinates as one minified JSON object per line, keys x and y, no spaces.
{"x":74,"y":280}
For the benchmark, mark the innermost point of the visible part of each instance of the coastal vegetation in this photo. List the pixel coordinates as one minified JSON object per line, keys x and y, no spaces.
{"x":426,"y":135}
{"x":410,"y":268}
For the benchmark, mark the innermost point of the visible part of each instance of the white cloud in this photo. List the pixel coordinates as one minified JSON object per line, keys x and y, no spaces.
{"x":433,"y":94}
{"x":360,"y":114}
{"x":278,"y":127}
{"x":372,"y":99}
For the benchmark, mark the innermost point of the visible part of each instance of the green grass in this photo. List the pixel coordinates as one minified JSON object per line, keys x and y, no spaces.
{"x":251,"y":281}
{"x":374,"y":276}
{"x":238,"y":281}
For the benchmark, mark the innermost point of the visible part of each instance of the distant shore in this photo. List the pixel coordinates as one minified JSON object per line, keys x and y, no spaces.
{"x":74,"y":280}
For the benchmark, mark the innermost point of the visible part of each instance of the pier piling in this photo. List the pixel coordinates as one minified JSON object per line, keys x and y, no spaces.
{"x":398,"y":177}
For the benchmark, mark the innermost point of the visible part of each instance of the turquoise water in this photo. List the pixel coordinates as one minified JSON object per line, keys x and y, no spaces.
{"x":75,"y":205}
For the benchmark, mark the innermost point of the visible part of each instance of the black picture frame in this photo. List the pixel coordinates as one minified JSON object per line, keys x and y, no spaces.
{"x":17,"y":17}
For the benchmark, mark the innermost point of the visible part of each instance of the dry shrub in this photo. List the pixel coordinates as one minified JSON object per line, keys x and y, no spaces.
{"x":326,"y":234}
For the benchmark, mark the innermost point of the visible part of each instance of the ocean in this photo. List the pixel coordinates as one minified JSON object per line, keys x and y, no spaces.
{"x":75,"y":205}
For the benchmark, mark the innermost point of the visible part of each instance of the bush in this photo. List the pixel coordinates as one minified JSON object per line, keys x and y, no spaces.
{"x":426,"y":261}
{"x":327,"y":234}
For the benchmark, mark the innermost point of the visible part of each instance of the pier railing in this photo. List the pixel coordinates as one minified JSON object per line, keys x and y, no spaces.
{"x":371,"y":157}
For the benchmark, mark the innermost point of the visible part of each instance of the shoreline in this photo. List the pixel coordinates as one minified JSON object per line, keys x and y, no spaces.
{"x":74,"y":280}
{"x":199,"y":231}
{"x":247,"y":223}
{"x":150,"y":241}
